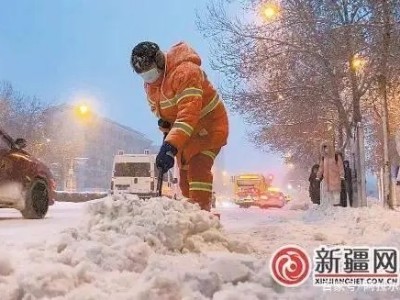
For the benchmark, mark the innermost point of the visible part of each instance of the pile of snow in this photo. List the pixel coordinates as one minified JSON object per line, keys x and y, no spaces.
{"x":164,"y":249}
{"x":373,"y":225}
{"x":165,"y":225}
{"x":316,"y":226}
{"x":300,"y":202}
{"x":134,"y":249}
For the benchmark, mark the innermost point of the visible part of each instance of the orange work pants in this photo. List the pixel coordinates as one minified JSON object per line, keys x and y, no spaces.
{"x":196,"y":178}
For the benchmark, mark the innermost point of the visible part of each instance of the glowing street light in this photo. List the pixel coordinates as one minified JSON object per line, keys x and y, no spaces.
{"x":270,"y":11}
{"x":83,"y":109}
{"x":357,"y":62}
{"x":82,"y":112}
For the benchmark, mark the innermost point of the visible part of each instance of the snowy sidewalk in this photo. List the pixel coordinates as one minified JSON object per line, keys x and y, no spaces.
{"x":267,"y":230}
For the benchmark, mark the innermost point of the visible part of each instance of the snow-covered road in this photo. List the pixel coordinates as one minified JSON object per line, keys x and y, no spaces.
{"x":14,"y":230}
{"x":248,"y":223}
{"x":265,"y":230}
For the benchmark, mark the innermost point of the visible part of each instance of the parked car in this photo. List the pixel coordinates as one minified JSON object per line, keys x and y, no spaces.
{"x":18,"y":168}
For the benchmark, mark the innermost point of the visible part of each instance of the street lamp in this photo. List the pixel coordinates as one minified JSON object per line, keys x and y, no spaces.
{"x":83,"y":112}
{"x":83,"y":109}
{"x":270,"y":11}
{"x":357,"y":62}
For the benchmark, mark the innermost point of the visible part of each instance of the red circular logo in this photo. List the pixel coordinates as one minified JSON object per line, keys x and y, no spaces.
{"x":290,"y":266}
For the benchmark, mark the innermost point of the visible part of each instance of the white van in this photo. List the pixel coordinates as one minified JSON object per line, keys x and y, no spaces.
{"x":137,"y":174}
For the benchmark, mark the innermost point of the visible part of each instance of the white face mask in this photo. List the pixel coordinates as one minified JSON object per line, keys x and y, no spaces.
{"x":151,"y":75}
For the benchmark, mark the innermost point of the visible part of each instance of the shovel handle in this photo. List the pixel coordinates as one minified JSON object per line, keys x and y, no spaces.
{"x":160,"y":174}
{"x":159,"y":182}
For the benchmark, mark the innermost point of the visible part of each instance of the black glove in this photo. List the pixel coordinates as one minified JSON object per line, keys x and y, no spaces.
{"x":165,"y":158}
{"x":164,"y":124}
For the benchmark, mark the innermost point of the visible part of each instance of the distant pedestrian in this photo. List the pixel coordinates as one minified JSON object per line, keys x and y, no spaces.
{"x":348,"y":182}
{"x":314,"y":187}
{"x":332,"y":171}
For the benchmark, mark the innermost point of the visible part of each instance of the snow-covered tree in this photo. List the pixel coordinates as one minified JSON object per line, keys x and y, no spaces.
{"x":22,"y":116}
{"x":303,"y":73}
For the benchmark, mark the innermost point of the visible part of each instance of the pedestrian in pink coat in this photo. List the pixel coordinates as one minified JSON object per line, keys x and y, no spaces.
{"x":332,"y":172}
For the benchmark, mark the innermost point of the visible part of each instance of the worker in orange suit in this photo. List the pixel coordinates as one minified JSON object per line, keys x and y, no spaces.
{"x":180,"y":94}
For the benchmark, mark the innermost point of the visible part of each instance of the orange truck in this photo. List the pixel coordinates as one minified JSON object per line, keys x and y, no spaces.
{"x":249,"y":189}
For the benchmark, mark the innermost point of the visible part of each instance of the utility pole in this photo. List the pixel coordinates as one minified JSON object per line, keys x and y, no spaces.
{"x":387,"y":180}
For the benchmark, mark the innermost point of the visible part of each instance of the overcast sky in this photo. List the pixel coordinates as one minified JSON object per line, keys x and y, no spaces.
{"x":67,"y":50}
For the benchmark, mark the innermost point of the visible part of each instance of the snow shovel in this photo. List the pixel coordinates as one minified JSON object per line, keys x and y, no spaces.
{"x":160,"y":175}
{"x":159,"y":182}
{"x":166,"y":125}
